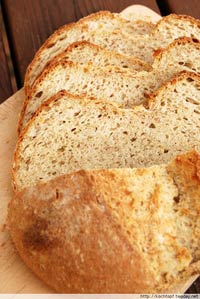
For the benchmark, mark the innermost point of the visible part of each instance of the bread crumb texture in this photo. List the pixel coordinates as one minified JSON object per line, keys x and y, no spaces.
{"x":71,"y":133}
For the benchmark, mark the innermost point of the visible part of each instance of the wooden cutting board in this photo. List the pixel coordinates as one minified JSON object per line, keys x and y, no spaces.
{"x":15,"y":277}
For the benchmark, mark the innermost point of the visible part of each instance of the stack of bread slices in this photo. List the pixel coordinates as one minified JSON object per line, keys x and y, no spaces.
{"x":106,"y":168}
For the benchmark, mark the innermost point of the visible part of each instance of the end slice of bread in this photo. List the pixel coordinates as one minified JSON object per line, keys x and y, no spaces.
{"x":144,"y":223}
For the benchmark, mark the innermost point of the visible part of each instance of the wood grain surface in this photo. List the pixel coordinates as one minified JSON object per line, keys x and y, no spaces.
{"x":186,"y":7}
{"x":29,"y":22}
{"x":5,"y":82}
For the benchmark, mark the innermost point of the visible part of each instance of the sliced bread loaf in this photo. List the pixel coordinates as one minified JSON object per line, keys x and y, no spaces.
{"x":106,"y":30}
{"x":69,"y":133}
{"x":84,"y":52}
{"x":112,"y":84}
{"x":183,"y":54}
{"x":143,"y":223}
{"x":103,"y":21}
{"x":109,"y":83}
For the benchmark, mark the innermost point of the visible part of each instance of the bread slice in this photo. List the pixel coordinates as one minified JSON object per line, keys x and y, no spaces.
{"x":143,"y":223}
{"x":69,"y":133}
{"x":183,"y":53}
{"x":107,"y":30}
{"x":85,"y":52}
{"x":111,"y":84}
{"x":103,"y":21}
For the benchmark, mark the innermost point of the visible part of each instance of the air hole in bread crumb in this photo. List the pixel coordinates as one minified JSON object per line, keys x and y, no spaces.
{"x":57,"y":193}
{"x":61,"y":149}
{"x":192,"y":101}
{"x":176,"y":199}
{"x":189,"y":79}
{"x":152,"y":126}
{"x":39,"y":94}
{"x":72,"y":130}
{"x":197,"y":111}
{"x":100,"y":115}
{"x":166,"y":151}
{"x":133,"y":139}
{"x":125,"y":133}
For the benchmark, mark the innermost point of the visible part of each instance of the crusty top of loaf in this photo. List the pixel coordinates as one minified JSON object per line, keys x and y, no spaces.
{"x":141,"y":223}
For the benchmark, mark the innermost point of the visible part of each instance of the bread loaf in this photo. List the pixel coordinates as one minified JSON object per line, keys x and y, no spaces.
{"x":111,"y":84}
{"x":115,"y":34}
{"x":114,"y":230}
{"x":69,"y":133}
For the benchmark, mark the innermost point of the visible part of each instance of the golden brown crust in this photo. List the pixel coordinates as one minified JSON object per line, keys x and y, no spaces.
{"x":179,"y":41}
{"x":179,"y":77}
{"x":187,"y":166}
{"x":190,"y":19}
{"x":74,"y":243}
{"x":67,"y":233}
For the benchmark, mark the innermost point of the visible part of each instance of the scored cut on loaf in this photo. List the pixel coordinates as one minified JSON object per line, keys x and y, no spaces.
{"x":110,"y":84}
{"x":69,"y":133}
{"x":97,"y":22}
{"x":95,"y":29}
{"x":144,"y":223}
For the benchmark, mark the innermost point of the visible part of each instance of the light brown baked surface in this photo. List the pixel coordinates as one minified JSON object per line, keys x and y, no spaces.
{"x":114,"y":230}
